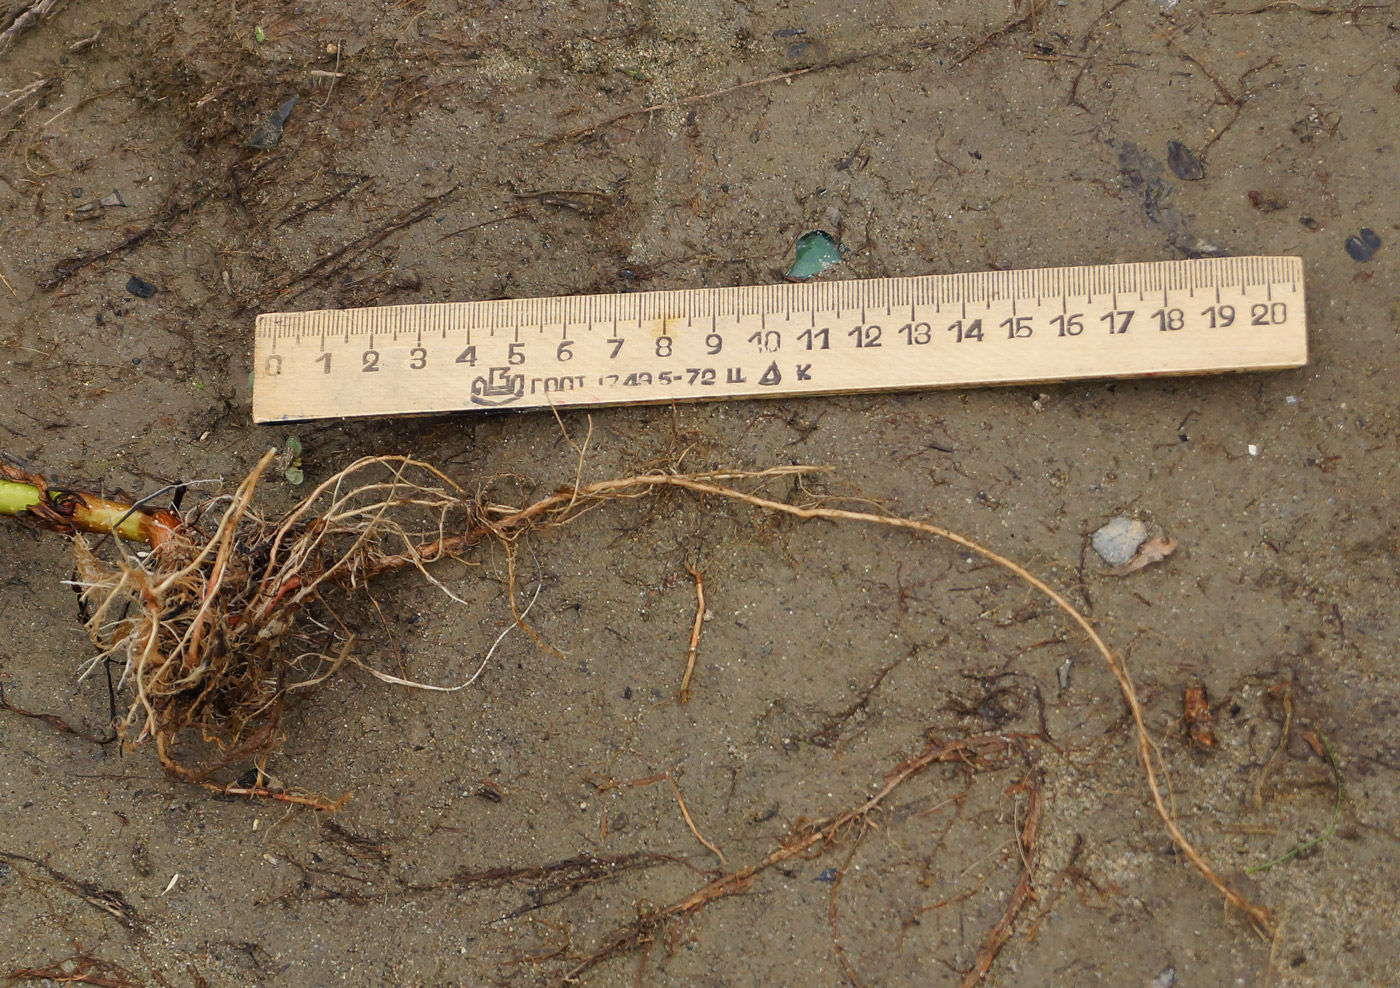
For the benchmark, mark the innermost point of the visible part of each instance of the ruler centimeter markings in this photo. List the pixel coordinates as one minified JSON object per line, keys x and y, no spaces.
{"x":940,"y":331}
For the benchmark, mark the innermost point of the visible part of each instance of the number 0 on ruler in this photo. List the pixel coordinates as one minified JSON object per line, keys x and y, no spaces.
{"x":942,"y":331}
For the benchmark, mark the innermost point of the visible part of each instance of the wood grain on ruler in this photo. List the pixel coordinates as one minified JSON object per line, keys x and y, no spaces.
{"x":1002,"y":327}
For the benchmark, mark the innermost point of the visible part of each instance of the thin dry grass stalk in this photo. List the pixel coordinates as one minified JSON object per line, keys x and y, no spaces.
{"x":216,"y":630}
{"x":980,"y":752}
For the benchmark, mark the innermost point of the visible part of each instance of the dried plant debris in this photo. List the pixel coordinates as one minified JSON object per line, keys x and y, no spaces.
{"x":1151,"y":551}
{"x":78,"y":969}
{"x":809,"y":838}
{"x":1200,"y":724}
{"x":1323,"y":749}
{"x":17,"y":20}
{"x":110,"y":901}
{"x":1266,"y":201}
{"x":230,"y":613}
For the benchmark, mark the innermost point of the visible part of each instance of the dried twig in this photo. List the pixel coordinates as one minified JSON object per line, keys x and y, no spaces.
{"x":1306,"y":8}
{"x":845,"y":961}
{"x":109,"y":901}
{"x":691,"y":823}
{"x":37,"y":9}
{"x":321,"y":203}
{"x":1308,"y":845}
{"x":684,"y":695}
{"x":683,"y":101}
{"x":53,"y":720}
{"x":1286,"y":696}
{"x":839,"y":63}
{"x":83,"y":44}
{"x":79,"y":969}
{"x":18,"y":96}
{"x":1001,"y":932}
{"x":65,"y":269}
{"x":1146,"y":747}
{"x":341,"y":258}
{"x":1032,"y":11}
{"x":983,"y":752}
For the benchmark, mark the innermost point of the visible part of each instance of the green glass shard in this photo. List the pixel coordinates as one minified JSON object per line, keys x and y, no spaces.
{"x":816,"y":251}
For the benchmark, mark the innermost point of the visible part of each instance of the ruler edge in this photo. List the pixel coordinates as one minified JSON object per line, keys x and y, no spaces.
{"x":1293,"y":262}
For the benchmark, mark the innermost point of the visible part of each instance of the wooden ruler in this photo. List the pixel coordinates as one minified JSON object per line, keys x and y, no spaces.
{"x":944,"y":331}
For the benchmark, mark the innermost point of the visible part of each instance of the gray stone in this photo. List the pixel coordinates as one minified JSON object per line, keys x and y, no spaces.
{"x":1118,"y":541}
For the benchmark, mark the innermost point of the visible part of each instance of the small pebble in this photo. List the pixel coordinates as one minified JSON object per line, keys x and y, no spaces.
{"x":1184,"y":163}
{"x":270,"y":132}
{"x":78,"y":193}
{"x":1364,"y":246}
{"x":829,"y":875}
{"x":1118,"y":541}
{"x":139,"y":288}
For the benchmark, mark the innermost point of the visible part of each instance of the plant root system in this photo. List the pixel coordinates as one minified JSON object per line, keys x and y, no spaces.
{"x":229,"y":614}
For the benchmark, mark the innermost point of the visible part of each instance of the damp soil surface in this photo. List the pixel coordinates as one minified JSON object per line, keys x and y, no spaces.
{"x":505,"y":833}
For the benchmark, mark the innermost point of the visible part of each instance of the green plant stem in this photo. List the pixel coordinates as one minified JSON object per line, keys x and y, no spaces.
{"x":1308,"y":845}
{"x":16,"y":499}
{"x":87,"y":512}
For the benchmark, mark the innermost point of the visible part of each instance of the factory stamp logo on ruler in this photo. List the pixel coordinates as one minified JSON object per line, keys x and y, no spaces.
{"x":941,"y":331}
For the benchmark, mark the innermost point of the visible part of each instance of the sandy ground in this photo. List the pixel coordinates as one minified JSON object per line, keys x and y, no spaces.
{"x":932,"y":141}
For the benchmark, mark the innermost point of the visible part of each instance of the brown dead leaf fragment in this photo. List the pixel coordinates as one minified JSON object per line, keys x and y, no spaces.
{"x":80,"y":969}
{"x":1151,"y":551}
{"x":1195,"y":704}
